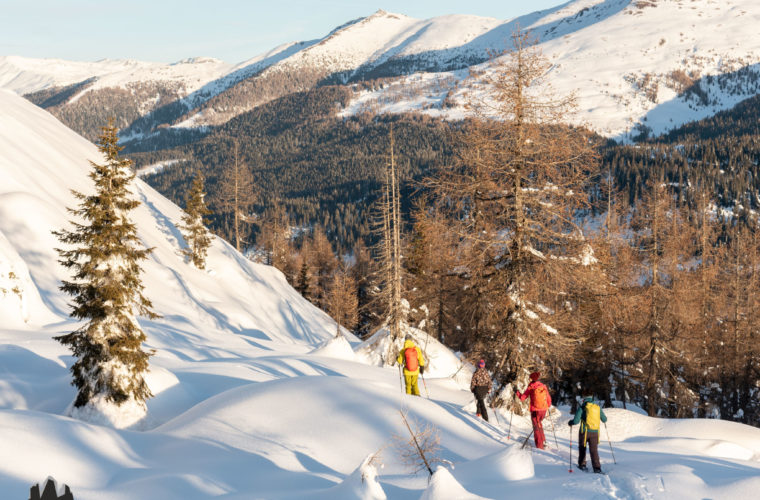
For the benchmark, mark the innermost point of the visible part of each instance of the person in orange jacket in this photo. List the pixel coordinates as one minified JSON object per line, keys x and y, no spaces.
{"x":540,"y":401}
{"x":410,"y":357}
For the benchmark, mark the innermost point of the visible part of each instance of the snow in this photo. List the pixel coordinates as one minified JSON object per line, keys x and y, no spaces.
{"x":603,"y":50}
{"x":24,"y":75}
{"x":600,"y":49}
{"x":513,"y":463}
{"x":362,"y":484}
{"x":336,"y":347}
{"x":157,"y":167}
{"x":254,"y":394}
{"x":443,"y":486}
{"x":439,"y":360}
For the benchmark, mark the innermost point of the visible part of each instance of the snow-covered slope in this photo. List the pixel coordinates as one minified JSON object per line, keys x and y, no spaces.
{"x":41,"y":161}
{"x":132,"y":91}
{"x":633,"y":63}
{"x":26,"y":75}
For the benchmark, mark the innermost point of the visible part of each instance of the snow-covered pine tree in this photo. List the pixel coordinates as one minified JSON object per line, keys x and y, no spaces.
{"x":103,"y":254}
{"x":194,"y":227}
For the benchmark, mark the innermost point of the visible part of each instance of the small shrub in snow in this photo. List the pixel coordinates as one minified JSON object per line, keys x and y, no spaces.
{"x":420,"y":450}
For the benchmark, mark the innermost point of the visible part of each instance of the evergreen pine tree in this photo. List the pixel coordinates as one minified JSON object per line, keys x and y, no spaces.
{"x":302,"y":286}
{"x":194,"y":227}
{"x":103,"y":254}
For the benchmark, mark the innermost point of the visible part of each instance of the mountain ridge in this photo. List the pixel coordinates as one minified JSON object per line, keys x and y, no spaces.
{"x":623,"y":57}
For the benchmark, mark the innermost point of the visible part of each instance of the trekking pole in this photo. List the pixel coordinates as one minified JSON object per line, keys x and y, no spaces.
{"x":610,"y":443}
{"x":400,"y":380}
{"x":526,"y":439}
{"x":496,"y":414}
{"x":570,"y":459}
{"x":553,"y":431}
{"x":427,"y":394}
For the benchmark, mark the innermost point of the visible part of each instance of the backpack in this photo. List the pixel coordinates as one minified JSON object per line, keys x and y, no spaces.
{"x":592,"y":418}
{"x":410,"y":356}
{"x":540,"y":398}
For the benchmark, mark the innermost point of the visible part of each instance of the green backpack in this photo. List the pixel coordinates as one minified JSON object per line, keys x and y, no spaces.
{"x":592,"y":417}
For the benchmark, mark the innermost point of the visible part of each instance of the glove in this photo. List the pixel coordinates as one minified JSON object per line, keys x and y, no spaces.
{"x":518,"y":394}
{"x":422,"y":370}
{"x":570,"y":423}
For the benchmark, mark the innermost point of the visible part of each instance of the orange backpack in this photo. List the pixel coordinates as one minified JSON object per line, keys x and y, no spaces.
{"x":410,"y":355}
{"x":540,"y":398}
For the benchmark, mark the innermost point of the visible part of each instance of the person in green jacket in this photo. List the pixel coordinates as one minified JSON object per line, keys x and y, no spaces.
{"x":410,"y":357}
{"x":589,"y":415}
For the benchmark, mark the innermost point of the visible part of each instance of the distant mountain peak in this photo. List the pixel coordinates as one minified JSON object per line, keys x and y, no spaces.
{"x":199,"y":60}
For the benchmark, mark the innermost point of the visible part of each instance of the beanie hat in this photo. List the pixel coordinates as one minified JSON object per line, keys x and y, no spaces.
{"x":535,"y":375}
{"x":482,"y":363}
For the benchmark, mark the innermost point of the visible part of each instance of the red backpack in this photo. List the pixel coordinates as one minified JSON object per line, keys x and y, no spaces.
{"x":410,"y":355}
{"x":540,"y":398}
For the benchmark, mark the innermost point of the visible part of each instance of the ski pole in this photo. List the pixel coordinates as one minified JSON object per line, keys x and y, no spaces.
{"x":553,"y":431}
{"x":400,"y":380}
{"x":427,"y":394}
{"x":496,"y":414}
{"x":526,"y":439}
{"x":610,"y":443}
{"x":570,"y":459}
{"x":511,"y":414}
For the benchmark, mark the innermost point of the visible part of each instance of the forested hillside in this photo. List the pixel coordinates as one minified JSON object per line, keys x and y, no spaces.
{"x":666,"y":220}
{"x":325,"y":170}
{"x":721,"y":152}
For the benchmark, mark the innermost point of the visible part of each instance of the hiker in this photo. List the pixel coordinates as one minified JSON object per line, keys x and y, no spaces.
{"x":589,"y":416}
{"x":414,"y":365}
{"x":480,"y":386}
{"x":540,"y":401}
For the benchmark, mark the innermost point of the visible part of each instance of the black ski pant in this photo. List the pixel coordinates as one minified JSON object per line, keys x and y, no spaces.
{"x":481,"y":391}
{"x":591,"y":439}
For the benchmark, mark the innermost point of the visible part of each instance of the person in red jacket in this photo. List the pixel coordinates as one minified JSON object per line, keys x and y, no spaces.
{"x":540,"y":401}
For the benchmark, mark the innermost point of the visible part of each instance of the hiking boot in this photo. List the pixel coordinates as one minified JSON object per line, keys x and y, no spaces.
{"x":598,"y":471}
{"x":583,"y":467}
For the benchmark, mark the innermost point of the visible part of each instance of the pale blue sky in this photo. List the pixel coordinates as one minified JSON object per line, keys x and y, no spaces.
{"x":232,"y":30}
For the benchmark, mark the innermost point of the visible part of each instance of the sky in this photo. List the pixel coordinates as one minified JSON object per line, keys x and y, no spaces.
{"x":231,"y":30}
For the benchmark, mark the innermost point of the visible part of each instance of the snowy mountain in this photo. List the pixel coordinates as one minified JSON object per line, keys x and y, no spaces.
{"x":636,"y":65}
{"x":141,"y":94}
